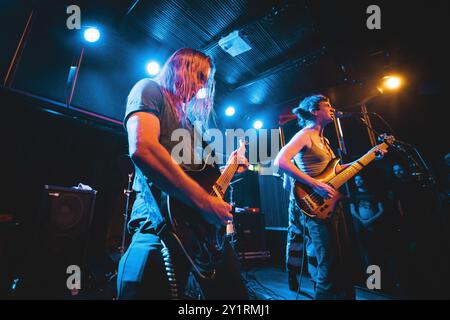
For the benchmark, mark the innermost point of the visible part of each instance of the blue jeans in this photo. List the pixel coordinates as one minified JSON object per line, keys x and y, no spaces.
{"x":142,"y":273}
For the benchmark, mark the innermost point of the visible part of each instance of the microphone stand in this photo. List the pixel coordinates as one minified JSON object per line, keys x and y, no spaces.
{"x":230,"y":228}
{"x":399,"y":146}
{"x":340,"y":136}
{"x":425,"y":178}
{"x":127,"y":193}
{"x":231,"y":190}
{"x":373,"y":140}
{"x":342,"y":150}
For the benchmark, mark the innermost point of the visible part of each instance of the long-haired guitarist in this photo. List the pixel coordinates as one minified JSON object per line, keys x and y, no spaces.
{"x":155,"y":108}
{"x":306,"y":156}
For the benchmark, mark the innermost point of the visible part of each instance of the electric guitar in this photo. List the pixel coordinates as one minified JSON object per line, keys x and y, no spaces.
{"x":312,"y":204}
{"x":201,"y":242}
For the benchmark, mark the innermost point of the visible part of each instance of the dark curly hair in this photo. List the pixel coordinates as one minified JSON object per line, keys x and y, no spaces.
{"x":310,"y":103}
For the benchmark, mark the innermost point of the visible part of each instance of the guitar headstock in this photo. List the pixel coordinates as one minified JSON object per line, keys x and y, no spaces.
{"x":241,"y":150}
{"x":388,"y":139}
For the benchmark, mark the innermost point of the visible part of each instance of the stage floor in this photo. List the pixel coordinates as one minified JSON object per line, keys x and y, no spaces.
{"x":271,"y":283}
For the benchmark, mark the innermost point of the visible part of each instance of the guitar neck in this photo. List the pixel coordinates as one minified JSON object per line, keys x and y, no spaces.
{"x":224,"y":180}
{"x":356,"y":166}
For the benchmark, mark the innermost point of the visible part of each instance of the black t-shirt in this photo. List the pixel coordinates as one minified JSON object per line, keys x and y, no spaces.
{"x":148,"y":96}
{"x":366,"y":203}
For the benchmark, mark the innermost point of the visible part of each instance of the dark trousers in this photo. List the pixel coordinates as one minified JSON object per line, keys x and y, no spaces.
{"x":335,"y":257}
{"x":142,"y":273}
{"x":332,"y":257}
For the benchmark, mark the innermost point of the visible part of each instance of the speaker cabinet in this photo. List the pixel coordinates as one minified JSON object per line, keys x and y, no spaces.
{"x":61,"y":239}
{"x":249,"y":232}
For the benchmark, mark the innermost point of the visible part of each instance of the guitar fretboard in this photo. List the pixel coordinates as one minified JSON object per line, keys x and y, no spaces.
{"x":357,"y":166}
{"x":224,"y":180}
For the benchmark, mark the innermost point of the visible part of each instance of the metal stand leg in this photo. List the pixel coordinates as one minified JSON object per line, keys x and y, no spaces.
{"x":127,"y":193}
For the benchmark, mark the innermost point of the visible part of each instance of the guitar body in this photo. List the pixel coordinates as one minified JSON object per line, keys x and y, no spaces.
{"x":201,"y":241}
{"x":313,"y":205}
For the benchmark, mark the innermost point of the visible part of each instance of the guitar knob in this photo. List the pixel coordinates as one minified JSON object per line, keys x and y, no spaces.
{"x":230,"y":228}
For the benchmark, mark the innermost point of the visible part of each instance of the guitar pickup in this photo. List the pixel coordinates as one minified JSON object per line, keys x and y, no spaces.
{"x":309,"y":203}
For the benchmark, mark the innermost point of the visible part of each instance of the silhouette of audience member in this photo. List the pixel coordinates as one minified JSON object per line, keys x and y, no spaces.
{"x":367,"y":208}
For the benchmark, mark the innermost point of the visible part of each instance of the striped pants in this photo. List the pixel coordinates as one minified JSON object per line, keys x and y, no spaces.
{"x":331,"y":255}
{"x":297,"y":233}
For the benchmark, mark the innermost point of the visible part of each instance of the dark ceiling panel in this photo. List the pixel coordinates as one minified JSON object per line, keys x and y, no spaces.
{"x":298,"y":47}
{"x":186,"y":23}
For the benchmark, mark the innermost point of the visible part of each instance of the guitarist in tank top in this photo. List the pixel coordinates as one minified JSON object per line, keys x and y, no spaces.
{"x":305,"y":156}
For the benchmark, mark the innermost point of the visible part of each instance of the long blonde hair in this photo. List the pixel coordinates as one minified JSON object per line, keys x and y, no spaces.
{"x":185,"y":69}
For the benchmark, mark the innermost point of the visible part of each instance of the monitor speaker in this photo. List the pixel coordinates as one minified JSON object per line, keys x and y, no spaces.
{"x":250,"y":232}
{"x":61,"y":240}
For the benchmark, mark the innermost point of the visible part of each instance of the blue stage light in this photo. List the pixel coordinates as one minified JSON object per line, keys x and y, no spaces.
{"x":230,"y":111}
{"x":257,"y":124}
{"x":92,"y":35}
{"x":153,"y":68}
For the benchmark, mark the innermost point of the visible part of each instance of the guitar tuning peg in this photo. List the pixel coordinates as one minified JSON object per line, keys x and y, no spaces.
{"x":382,"y":137}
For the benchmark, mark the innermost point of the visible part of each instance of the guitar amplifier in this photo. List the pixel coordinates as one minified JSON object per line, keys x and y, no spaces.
{"x":61,"y":239}
{"x":250,"y":234}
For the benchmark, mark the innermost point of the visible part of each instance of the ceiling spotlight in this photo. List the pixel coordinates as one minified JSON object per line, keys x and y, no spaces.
{"x":390,"y":83}
{"x":230,"y":111}
{"x":257,"y":124}
{"x":92,"y":35}
{"x":153,"y":68}
{"x":393,"y":83}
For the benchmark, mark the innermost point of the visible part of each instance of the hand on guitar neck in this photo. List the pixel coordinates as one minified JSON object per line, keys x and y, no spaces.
{"x":214,"y":209}
{"x":326,"y":191}
{"x":380,"y":154}
{"x":241,"y":160}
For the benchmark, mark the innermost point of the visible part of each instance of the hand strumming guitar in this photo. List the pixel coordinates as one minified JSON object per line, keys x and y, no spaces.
{"x":324,"y":190}
{"x":216,"y":211}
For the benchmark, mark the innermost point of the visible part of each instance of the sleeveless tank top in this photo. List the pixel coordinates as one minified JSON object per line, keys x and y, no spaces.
{"x":313,"y":160}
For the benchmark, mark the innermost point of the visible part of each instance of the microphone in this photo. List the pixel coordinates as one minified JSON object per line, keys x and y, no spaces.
{"x":341,"y":115}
